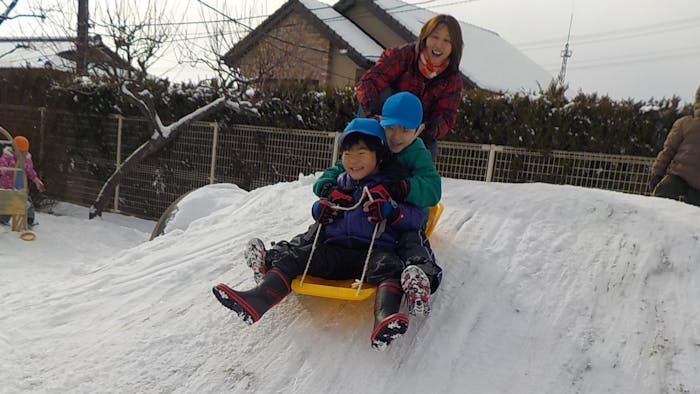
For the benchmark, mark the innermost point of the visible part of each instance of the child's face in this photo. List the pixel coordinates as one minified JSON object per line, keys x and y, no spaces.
{"x":439,"y":44}
{"x":359,"y":161}
{"x":399,"y":137}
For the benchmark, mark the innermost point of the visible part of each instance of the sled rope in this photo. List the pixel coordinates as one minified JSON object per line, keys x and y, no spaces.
{"x":369,"y":252}
{"x":311,"y":254}
{"x":365,"y":193}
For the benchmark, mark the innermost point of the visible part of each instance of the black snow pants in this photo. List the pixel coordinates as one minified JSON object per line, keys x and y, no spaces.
{"x":331,"y":261}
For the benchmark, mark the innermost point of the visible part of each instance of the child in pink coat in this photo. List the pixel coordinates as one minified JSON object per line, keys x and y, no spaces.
{"x":8,"y":161}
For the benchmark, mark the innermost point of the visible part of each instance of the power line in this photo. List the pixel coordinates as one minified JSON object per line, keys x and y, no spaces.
{"x":266,"y":34}
{"x":675,"y":25}
{"x":641,"y":58}
{"x":313,"y":65}
{"x":396,"y":10}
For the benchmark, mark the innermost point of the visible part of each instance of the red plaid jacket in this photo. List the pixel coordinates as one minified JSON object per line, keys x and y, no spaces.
{"x":397,"y":69}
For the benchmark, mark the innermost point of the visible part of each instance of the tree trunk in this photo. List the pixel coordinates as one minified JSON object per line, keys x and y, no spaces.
{"x":161,"y":137}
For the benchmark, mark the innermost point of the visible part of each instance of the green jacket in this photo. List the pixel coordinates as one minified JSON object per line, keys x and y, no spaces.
{"x":425,"y":184}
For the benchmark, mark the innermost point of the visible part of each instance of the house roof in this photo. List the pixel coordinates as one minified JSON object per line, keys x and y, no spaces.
{"x":26,"y":52}
{"x":342,"y":33}
{"x":57,"y":53}
{"x":489,"y":61}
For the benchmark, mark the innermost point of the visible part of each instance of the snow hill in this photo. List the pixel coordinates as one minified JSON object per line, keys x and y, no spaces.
{"x":548,"y":289}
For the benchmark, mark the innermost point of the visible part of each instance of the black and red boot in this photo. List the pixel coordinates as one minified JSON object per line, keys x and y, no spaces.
{"x":251,"y":304}
{"x":389,"y":324}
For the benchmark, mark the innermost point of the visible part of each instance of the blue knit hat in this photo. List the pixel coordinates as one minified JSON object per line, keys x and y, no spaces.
{"x":403,"y":109}
{"x":367,"y":126}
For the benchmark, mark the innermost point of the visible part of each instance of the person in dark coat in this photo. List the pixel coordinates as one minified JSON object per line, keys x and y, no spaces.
{"x":676,"y":171}
{"x":428,"y":68}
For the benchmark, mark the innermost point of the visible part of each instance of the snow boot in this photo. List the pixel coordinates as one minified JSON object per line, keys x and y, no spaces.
{"x":251,"y":304}
{"x":389,"y":324}
{"x":254,"y":255}
{"x":416,"y":285}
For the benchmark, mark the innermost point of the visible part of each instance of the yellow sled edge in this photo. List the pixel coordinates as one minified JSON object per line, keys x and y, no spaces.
{"x":433,"y":216}
{"x":336,"y":289}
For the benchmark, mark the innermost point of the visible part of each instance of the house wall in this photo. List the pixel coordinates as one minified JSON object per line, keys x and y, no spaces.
{"x":302,"y":52}
{"x":363,"y":17}
{"x":344,"y":71}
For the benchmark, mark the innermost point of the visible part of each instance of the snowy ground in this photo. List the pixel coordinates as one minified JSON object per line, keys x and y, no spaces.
{"x":548,"y":289}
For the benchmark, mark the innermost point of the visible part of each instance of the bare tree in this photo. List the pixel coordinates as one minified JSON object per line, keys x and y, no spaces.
{"x":140,"y":39}
{"x":141,"y":31}
{"x":161,"y":137}
{"x":5,"y":15}
{"x":222,"y":31}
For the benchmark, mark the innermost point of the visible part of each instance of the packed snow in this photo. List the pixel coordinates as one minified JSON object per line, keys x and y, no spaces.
{"x":547,"y":289}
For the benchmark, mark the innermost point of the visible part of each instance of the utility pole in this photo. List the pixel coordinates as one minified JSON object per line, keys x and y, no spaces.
{"x":82,"y":40}
{"x":565,"y":55}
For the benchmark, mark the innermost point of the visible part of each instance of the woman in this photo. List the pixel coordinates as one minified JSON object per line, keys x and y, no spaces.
{"x":429,"y":69}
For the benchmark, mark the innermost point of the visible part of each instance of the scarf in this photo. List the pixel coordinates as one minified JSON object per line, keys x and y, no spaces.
{"x":428,"y":69}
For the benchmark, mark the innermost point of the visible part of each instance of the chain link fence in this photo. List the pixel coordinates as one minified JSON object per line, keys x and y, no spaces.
{"x":494,"y":163}
{"x":75,"y":154}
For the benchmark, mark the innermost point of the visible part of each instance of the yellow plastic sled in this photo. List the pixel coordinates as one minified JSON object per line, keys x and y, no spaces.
{"x":343,"y":289}
{"x":433,"y":216}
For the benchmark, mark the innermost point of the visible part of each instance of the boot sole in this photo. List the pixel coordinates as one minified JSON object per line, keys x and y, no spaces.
{"x":228,"y":298}
{"x":416,"y":286}
{"x":387,"y":330}
{"x":254,"y":257}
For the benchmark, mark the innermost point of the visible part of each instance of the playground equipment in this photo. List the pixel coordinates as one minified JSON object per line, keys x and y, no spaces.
{"x":13,"y":201}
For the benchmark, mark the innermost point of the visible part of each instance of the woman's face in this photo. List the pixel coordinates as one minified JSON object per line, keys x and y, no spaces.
{"x":439,"y":45}
{"x":359,"y":161}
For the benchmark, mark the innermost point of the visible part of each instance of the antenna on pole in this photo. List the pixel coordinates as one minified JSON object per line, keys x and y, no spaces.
{"x":565,"y":55}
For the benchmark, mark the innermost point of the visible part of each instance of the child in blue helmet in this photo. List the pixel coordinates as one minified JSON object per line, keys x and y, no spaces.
{"x":401,"y":118}
{"x":345,"y":237}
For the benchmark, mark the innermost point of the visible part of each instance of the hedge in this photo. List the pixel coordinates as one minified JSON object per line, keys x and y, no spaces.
{"x":548,"y":120}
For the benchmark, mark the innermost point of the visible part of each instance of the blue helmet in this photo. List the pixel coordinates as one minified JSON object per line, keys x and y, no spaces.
{"x":403,"y":109}
{"x":365,"y":126}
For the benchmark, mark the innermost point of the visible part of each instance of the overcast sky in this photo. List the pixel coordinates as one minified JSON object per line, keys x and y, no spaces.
{"x":624,"y":48}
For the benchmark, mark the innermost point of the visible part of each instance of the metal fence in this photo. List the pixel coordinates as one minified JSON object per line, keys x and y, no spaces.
{"x":75,"y":160}
{"x":494,"y":163}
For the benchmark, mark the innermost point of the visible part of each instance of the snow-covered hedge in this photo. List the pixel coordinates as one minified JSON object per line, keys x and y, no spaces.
{"x":544,"y":121}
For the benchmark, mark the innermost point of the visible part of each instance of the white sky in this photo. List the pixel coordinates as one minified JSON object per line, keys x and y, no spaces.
{"x":570,"y":290}
{"x":624,"y":48}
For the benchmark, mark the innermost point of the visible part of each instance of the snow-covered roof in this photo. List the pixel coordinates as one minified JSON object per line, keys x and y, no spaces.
{"x":487,"y":59}
{"x":342,"y":32}
{"x":353,"y":35}
{"x":35,"y":54}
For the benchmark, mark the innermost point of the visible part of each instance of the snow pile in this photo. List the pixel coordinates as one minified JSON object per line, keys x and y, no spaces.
{"x":548,"y":289}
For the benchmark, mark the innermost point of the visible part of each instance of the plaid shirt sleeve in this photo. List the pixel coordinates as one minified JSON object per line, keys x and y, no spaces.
{"x":388,"y":68}
{"x":443,"y":112}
